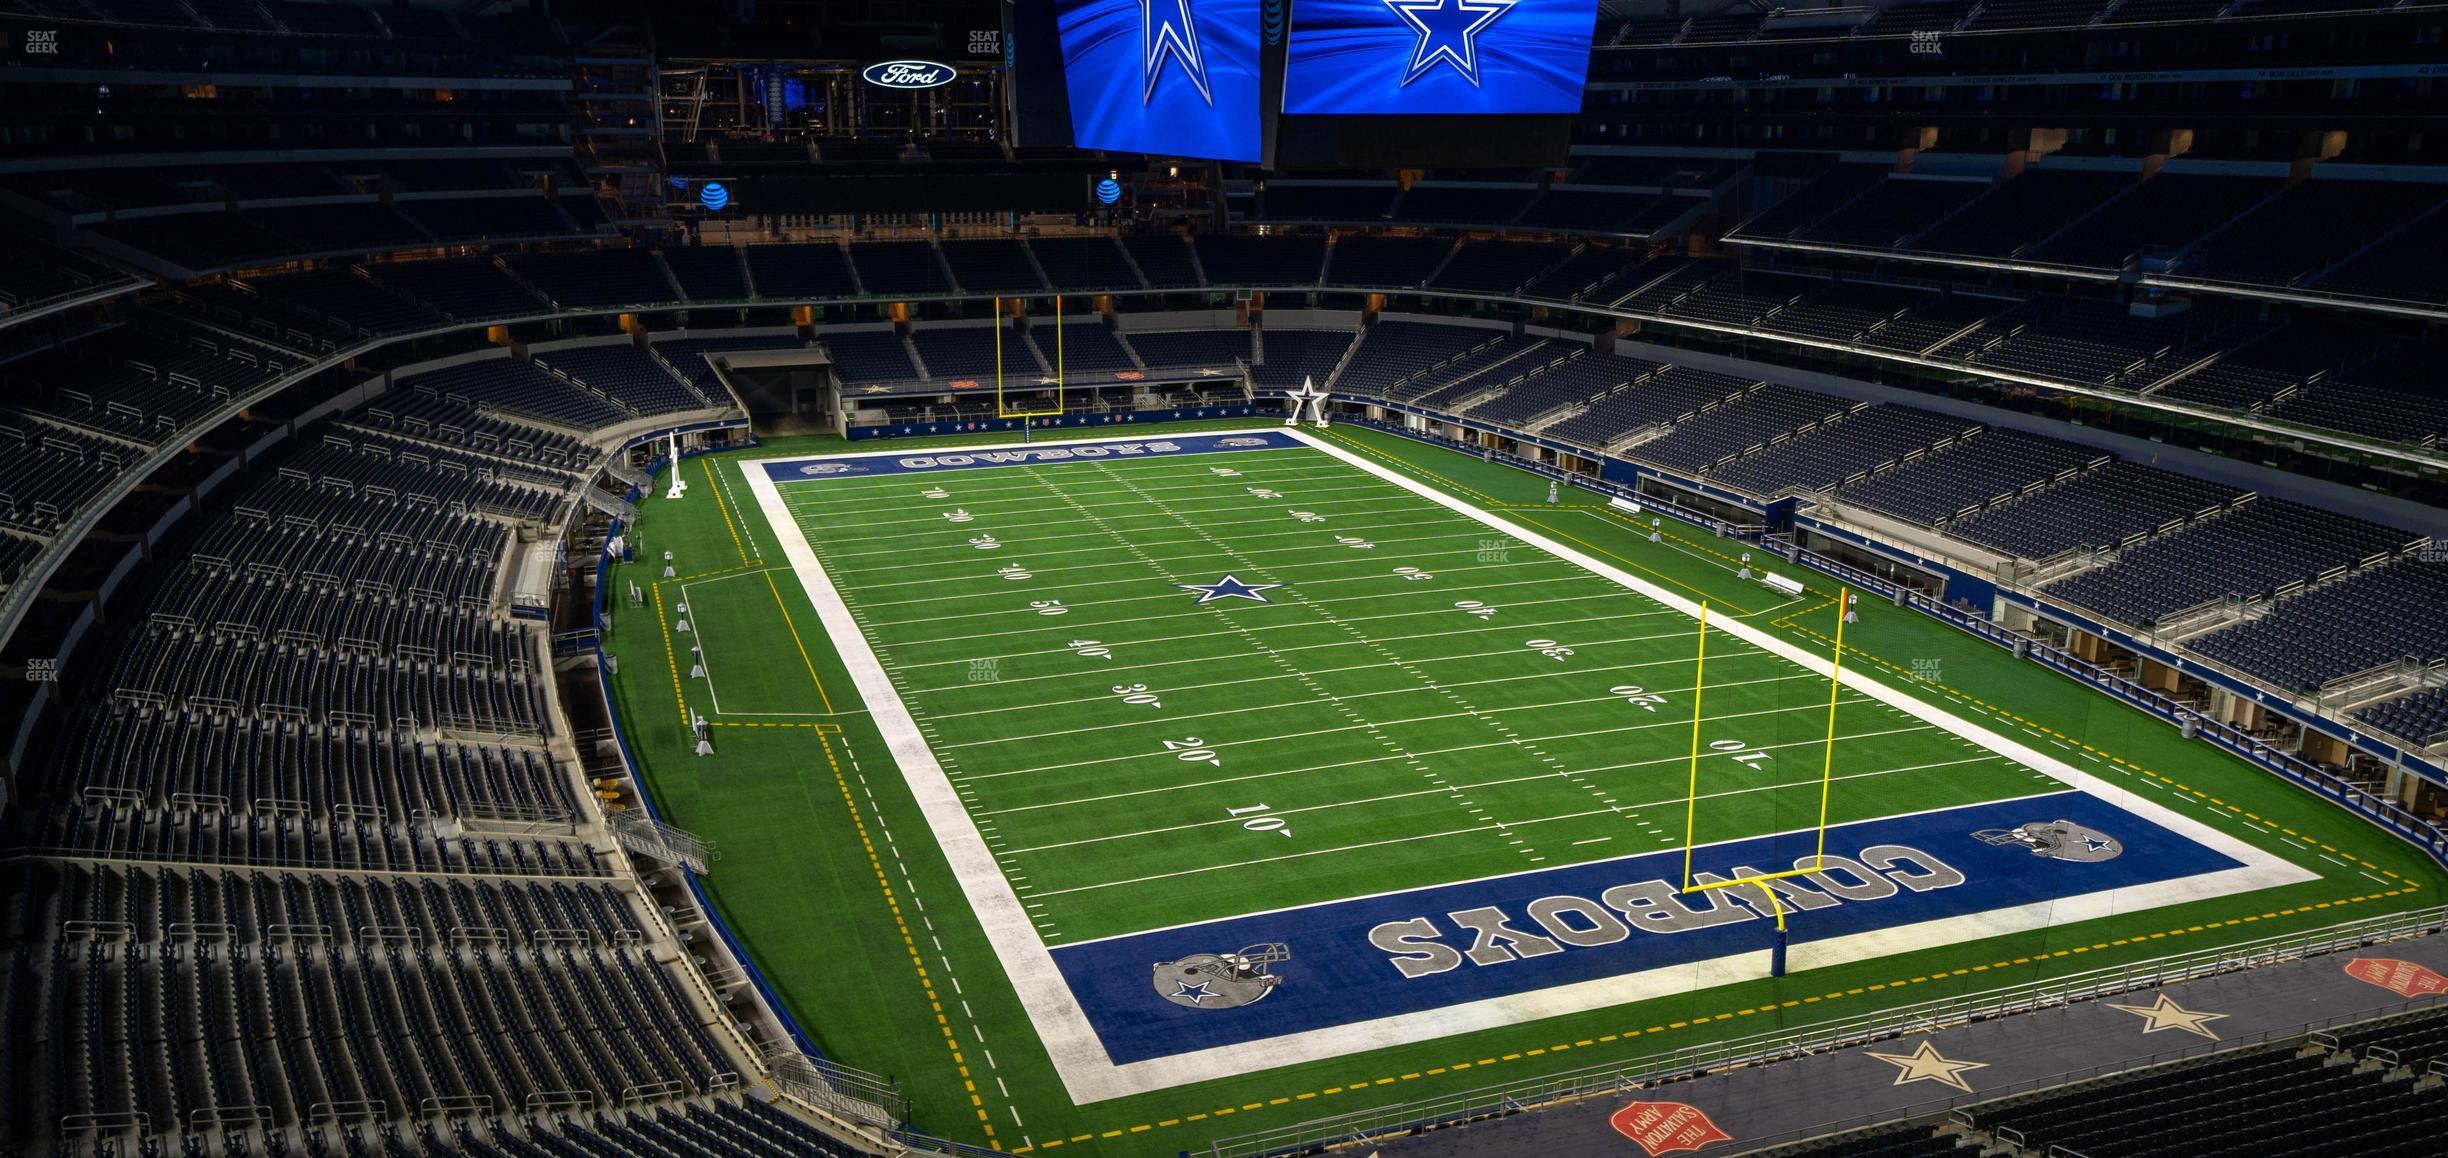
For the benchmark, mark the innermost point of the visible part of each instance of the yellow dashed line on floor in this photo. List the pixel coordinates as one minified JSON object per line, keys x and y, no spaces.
{"x":909,"y":939}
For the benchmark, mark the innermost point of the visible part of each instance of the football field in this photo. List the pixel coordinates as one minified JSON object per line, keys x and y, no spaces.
{"x":1164,"y":701}
{"x":1128,"y":792}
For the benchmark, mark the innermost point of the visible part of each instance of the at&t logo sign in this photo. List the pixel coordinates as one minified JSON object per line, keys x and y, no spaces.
{"x":714,"y":197}
{"x":908,"y":74}
{"x":1108,"y":191}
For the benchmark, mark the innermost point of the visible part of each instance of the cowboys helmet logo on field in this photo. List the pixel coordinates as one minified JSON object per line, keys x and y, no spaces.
{"x":2057,"y":839}
{"x":827,"y":468}
{"x":1241,"y":442}
{"x":1221,"y":980}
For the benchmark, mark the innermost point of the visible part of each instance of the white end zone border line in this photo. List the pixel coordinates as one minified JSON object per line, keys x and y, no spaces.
{"x":1088,"y":1071}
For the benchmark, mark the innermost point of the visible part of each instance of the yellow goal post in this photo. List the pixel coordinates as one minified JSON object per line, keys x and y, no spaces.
{"x":1827,"y":772}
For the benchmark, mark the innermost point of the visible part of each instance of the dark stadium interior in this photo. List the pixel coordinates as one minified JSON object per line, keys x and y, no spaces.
{"x":336,"y":337}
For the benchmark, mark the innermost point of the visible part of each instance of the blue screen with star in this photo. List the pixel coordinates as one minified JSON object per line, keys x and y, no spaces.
{"x":1437,"y":57}
{"x":1174,"y":77}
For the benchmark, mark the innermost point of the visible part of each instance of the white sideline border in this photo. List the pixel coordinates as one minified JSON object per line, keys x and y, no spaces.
{"x":1089,"y":1073}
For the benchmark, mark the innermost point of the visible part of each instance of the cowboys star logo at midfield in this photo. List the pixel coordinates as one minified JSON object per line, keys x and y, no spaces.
{"x":1221,"y":980}
{"x":1166,"y":29}
{"x":1448,"y":31}
{"x":2057,"y":840}
{"x":1230,"y":587}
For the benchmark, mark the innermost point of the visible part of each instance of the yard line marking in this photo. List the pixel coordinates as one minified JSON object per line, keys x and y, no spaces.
{"x":705,"y":661}
{"x":1543,"y":627}
{"x":1375,"y":574}
{"x":1374,"y":731}
{"x":798,"y":501}
{"x":1439,"y":751}
{"x":1060,"y":629}
{"x":902,"y":527}
{"x":715,"y":484}
{"x":1554,"y":673}
{"x":1242,"y":862}
{"x":1138,"y":509}
{"x":1259,"y":574}
{"x":905,"y":550}
{"x":1036,"y":549}
{"x":1171,"y":719}
{"x":1040,"y":570}
{"x":795,"y":493}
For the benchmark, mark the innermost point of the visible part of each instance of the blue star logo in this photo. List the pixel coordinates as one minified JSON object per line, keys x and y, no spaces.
{"x":2094,"y":844}
{"x":1230,"y":587}
{"x":1197,"y":994}
{"x":1166,"y":29}
{"x":1449,"y":32}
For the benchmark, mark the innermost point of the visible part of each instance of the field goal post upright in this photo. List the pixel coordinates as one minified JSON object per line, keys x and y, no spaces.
{"x":1002,"y":406}
{"x":1827,"y":781}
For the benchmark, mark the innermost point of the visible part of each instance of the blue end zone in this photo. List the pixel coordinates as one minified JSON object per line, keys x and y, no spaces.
{"x":1441,"y":946}
{"x":954,"y":458}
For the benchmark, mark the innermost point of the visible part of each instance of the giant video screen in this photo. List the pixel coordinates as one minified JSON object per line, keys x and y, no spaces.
{"x":1437,"y":57}
{"x":1169,"y":77}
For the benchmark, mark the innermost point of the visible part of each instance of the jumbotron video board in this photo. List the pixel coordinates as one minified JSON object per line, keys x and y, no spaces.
{"x":1176,"y":77}
{"x":1437,"y":57}
{"x":1307,"y":83}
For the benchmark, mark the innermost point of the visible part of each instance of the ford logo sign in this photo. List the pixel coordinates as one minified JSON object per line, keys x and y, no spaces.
{"x":910,"y":74}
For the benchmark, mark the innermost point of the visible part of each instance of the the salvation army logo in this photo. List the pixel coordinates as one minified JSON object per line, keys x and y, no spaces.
{"x":1663,"y":1128}
{"x":2403,"y":978}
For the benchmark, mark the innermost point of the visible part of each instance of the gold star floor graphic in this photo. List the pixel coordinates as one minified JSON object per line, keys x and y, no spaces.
{"x":1926,"y":1064}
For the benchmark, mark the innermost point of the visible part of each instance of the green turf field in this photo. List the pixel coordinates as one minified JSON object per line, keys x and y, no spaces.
{"x":1418,"y":698}
{"x":1421,"y":700}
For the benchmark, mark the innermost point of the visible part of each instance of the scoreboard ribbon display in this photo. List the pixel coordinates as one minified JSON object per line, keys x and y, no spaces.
{"x":1171,"y":77}
{"x":1437,"y":57}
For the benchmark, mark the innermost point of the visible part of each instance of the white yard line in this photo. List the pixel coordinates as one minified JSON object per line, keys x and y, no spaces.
{"x":1245,"y":861}
{"x":1194,"y":611}
{"x":1444,"y":751}
{"x":1037,"y":542}
{"x":1134,"y":509}
{"x":796,"y":492}
{"x":1137,"y":619}
{"x":1340,"y":557}
{"x":1535,"y":629}
{"x":1556,"y":673}
{"x":1543,"y":705}
{"x":697,"y":640}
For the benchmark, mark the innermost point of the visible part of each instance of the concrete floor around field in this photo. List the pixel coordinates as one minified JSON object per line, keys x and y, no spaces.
{"x":832,"y":880}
